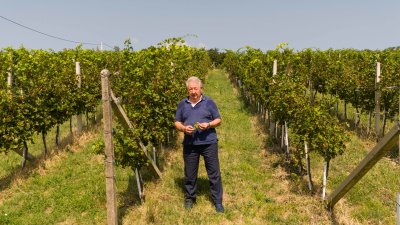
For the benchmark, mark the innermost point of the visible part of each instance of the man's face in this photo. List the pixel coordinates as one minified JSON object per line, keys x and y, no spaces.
{"x":194,"y":90}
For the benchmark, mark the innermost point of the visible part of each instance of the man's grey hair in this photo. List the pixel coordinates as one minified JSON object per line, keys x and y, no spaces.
{"x":194,"y":79}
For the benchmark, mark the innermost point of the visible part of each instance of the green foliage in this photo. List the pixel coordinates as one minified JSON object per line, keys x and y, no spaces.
{"x":98,"y":147}
{"x":216,"y":56}
{"x":45,"y":90}
{"x":287,"y":94}
{"x":149,"y":84}
{"x":345,"y":74}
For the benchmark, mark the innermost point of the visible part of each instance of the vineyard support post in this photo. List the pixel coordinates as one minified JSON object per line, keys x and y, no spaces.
{"x":155,"y":155}
{"x":286,"y":138}
{"x":9,"y":79}
{"x":324,"y":179}
{"x":383,"y":146}
{"x":309,"y":178}
{"x":139,"y":182}
{"x":78,"y":77}
{"x":273,"y":129}
{"x":112,"y":214}
{"x":377,"y":100}
{"x":282,"y":136}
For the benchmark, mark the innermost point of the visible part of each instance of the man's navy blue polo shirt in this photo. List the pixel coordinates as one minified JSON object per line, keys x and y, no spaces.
{"x":204,"y":111}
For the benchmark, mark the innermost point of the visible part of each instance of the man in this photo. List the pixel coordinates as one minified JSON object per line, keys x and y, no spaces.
{"x":197,"y":116}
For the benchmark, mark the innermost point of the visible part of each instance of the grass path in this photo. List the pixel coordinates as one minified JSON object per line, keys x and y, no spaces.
{"x":255,"y":192}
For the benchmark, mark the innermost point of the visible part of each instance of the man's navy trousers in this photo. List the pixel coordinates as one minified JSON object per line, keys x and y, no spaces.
{"x":191,"y":156}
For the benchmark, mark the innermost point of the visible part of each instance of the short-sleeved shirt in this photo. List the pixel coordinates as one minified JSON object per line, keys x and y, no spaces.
{"x":204,"y":111}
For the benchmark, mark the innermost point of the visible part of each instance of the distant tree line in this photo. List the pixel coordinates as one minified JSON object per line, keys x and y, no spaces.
{"x":217,"y":57}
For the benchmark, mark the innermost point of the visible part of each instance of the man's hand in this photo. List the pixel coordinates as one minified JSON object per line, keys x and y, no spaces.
{"x":189,"y":130}
{"x":204,"y":126}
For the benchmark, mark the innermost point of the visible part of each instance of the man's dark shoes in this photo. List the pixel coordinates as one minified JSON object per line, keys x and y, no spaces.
{"x":189,"y":203}
{"x":219,"y":208}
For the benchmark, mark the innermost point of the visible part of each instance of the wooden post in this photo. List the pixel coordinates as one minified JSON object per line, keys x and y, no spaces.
{"x":286,"y":138}
{"x":273,"y":124}
{"x":356,"y":119}
{"x":168,"y":142}
{"x":369,"y":122}
{"x":112,"y":214}
{"x":282,"y":136}
{"x":139,"y":182}
{"x":162,"y":149}
{"x":78,"y":77}
{"x":383,"y":146}
{"x":377,"y":100}
{"x":154,"y":155}
{"x":9,"y":79}
{"x":324,"y":179}
{"x":309,"y":178}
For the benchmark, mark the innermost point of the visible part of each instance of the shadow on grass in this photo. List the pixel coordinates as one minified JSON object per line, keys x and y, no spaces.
{"x":130,"y":197}
{"x":203,"y":187}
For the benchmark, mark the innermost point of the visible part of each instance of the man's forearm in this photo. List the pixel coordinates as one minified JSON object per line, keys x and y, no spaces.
{"x":179,"y":126}
{"x":215,"y":123}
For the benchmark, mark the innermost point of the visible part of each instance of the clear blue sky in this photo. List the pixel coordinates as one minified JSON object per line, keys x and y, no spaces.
{"x":360,"y":24}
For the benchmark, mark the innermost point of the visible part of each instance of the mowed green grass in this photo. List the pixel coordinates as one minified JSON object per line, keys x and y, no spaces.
{"x":69,"y":187}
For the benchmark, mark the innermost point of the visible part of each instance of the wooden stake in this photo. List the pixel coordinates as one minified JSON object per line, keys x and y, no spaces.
{"x":78,"y":77}
{"x":282,"y":136}
{"x":377,"y":101}
{"x":383,"y":146}
{"x":286,"y":138}
{"x":124,"y":120}
{"x":309,"y":178}
{"x":154,"y":155}
{"x":139,"y":182}
{"x":9,"y":79}
{"x":324,"y":179}
{"x":112,"y":214}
